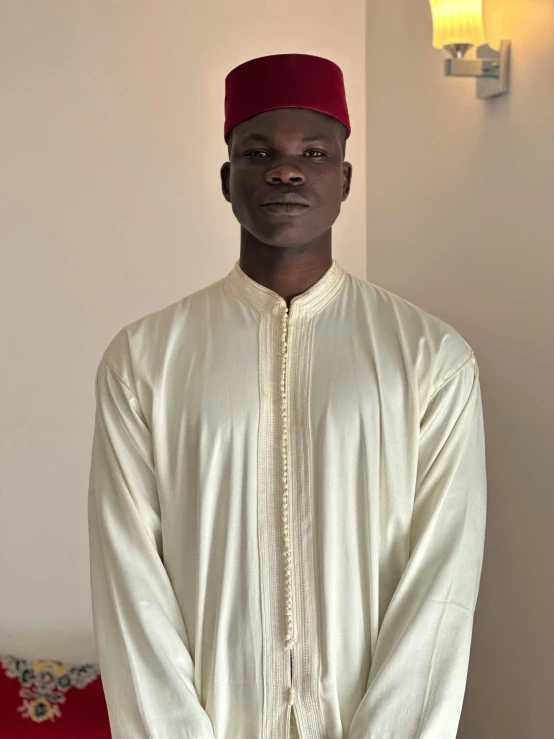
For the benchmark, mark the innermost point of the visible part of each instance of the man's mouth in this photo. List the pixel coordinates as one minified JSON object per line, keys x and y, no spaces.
{"x":285,"y":208}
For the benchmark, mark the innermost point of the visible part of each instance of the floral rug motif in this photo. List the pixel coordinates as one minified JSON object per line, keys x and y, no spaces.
{"x":44,"y":684}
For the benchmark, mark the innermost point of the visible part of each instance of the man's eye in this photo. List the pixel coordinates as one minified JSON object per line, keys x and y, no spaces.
{"x":261,"y":151}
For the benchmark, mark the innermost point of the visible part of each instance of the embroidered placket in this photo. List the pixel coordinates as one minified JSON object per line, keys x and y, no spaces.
{"x":287,"y":554}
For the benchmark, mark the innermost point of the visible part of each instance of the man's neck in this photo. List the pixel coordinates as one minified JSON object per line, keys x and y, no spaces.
{"x":287,"y":271}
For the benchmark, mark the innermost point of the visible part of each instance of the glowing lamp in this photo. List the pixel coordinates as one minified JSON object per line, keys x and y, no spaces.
{"x":458,"y":26}
{"x":457,"y":22}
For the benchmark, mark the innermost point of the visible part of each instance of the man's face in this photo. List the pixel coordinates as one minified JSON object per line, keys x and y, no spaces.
{"x":284,"y":151}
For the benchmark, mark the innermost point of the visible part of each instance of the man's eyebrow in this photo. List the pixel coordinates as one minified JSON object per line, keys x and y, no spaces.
{"x":304,"y":140}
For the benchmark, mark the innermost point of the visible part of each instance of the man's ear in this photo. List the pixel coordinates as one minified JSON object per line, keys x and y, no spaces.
{"x":347,"y":179}
{"x":225,"y":173}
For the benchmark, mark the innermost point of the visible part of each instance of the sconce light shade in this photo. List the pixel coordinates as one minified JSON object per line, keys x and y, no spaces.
{"x":457,"y":22}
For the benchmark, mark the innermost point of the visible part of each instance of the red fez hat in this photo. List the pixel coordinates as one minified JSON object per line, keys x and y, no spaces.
{"x":284,"y":81}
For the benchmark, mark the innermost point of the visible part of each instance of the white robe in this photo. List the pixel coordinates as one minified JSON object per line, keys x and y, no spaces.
{"x":286,"y":510}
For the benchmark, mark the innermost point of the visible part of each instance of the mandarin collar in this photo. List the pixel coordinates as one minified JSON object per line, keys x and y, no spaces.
{"x":262,"y":299}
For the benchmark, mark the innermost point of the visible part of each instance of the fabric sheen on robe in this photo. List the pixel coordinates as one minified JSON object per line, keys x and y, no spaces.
{"x":383,"y":501}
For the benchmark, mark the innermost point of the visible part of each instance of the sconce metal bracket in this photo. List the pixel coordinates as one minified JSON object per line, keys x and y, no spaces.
{"x":491,"y":69}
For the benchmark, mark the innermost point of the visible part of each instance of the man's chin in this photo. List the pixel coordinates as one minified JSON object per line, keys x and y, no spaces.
{"x":282,"y":234}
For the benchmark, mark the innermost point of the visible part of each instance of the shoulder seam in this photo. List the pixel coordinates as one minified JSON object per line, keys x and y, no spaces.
{"x":116,"y":373}
{"x":471,"y":356}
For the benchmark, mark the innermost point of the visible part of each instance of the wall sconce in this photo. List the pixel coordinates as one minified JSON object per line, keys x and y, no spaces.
{"x":457,"y":27}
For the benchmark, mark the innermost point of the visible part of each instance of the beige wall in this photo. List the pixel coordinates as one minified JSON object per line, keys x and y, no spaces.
{"x":111,"y":207}
{"x":460,"y":211}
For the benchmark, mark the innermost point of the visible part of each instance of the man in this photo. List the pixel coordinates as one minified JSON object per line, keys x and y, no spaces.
{"x":287,"y":493}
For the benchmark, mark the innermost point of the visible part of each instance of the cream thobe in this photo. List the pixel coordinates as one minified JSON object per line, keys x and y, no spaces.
{"x":286,"y":512}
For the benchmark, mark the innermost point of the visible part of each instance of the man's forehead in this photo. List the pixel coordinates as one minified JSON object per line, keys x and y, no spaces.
{"x":297,"y":125}
{"x":296,"y":135}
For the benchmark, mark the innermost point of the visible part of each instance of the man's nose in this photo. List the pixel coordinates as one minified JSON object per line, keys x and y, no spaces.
{"x":284,"y":173}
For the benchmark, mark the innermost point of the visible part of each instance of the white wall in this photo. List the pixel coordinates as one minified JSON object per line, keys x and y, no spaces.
{"x":111,"y":207}
{"x":460,"y":211}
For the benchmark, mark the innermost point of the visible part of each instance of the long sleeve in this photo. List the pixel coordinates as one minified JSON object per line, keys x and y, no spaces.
{"x":145,"y":660}
{"x":418,"y":674}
